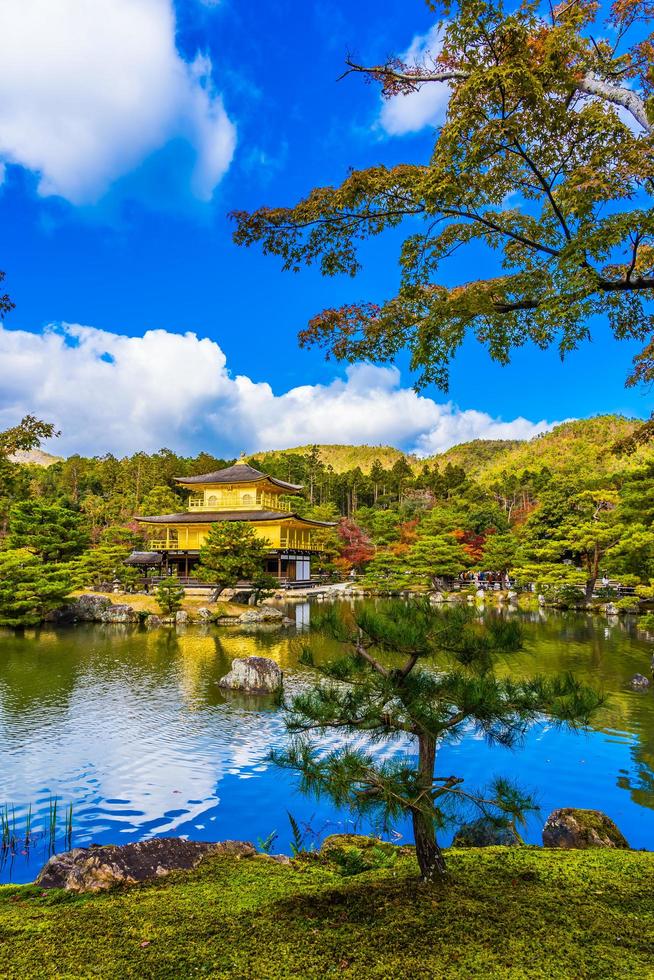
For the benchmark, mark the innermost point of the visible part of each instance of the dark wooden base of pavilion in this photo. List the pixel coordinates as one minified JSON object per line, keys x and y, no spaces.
{"x":290,"y":566}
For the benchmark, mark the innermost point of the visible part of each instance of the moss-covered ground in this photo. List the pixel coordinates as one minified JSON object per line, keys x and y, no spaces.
{"x":503,"y":913}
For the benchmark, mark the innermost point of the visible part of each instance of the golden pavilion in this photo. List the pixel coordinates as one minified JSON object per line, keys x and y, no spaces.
{"x":236,"y":493}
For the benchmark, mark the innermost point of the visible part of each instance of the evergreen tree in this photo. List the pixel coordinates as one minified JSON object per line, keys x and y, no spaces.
{"x":53,"y":532}
{"x":23,"y":437}
{"x":103,"y":564}
{"x":161,"y":500}
{"x":170,"y":595}
{"x":426,"y":676}
{"x":232,"y":552}
{"x":388,"y":572}
{"x":401,"y":474}
{"x":436,"y":556}
{"x":499,"y":553}
{"x":378,"y":477}
{"x":29,"y":588}
{"x":578,"y":525}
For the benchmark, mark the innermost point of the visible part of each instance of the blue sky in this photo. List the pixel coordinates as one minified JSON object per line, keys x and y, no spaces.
{"x":128,"y":130}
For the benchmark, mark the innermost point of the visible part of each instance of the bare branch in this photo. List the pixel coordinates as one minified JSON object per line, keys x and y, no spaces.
{"x":404,"y":77}
{"x":624,"y":97}
{"x":369,"y":659}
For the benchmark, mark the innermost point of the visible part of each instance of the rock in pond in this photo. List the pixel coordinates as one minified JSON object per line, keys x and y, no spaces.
{"x":262,"y":614}
{"x":119,"y":613}
{"x":639,"y":682}
{"x":92,"y":869}
{"x":258,"y":675}
{"x":580,"y":829}
{"x":485,"y":833}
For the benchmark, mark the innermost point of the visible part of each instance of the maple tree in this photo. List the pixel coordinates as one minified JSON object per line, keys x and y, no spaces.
{"x":545,"y":158}
{"x":356,"y":546}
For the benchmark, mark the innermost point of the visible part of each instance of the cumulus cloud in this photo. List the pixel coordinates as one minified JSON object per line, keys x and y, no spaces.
{"x":89,"y":89}
{"x":112,"y":393}
{"x":427,"y":107}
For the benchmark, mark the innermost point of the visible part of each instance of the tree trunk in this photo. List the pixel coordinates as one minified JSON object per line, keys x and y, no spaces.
{"x":429,"y":855}
{"x":593,"y":572}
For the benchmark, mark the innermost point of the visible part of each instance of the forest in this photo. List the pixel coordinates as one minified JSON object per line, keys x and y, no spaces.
{"x":566,"y":513}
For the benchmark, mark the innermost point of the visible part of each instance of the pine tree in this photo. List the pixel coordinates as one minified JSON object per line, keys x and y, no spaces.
{"x":232,"y":552}
{"x":436,"y":556}
{"x":161,"y":500}
{"x":105,"y":563}
{"x":53,"y":532}
{"x":425,"y":675}
{"x":170,"y":595}
{"x":29,"y":587}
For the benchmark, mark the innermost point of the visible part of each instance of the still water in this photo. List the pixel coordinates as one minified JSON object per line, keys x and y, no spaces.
{"x":131,"y":728}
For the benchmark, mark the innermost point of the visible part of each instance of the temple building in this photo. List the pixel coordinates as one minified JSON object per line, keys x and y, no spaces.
{"x":236,"y":493}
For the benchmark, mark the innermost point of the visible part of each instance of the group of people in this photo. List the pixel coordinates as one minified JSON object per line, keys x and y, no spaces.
{"x":486,"y":580}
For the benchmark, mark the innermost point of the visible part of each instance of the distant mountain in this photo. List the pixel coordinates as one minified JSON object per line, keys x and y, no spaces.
{"x":342,"y":458}
{"x":475,"y":456}
{"x":584,"y":443}
{"x":36,"y":457}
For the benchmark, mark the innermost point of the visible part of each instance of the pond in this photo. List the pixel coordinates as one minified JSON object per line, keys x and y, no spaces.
{"x":131,"y":728}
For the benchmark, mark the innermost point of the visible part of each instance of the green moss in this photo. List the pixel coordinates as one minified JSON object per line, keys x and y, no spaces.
{"x":504,"y":913}
{"x":594,"y":823}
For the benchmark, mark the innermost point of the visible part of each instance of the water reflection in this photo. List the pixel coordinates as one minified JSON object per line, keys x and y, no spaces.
{"x":131,"y":727}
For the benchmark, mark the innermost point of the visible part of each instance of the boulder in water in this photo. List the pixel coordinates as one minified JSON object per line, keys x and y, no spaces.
{"x":639,"y":682}
{"x":257,"y":675}
{"x":262,"y":614}
{"x":118,"y":613}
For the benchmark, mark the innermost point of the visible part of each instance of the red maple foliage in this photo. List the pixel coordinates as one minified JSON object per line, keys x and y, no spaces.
{"x":472,"y":544}
{"x":408,"y":535}
{"x":357,"y":548}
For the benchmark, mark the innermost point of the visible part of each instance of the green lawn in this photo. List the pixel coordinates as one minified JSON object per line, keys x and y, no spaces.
{"x":503,"y":913}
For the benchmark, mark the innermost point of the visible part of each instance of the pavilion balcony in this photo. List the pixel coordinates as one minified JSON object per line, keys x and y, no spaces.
{"x":162,"y":543}
{"x":226,"y":501}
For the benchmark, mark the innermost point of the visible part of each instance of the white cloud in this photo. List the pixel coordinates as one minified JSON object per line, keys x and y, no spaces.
{"x":112,"y":393}
{"x":428,"y":106}
{"x":89,"y":89}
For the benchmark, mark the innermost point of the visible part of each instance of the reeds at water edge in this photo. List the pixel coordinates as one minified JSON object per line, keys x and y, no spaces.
{"x":15,"y":838}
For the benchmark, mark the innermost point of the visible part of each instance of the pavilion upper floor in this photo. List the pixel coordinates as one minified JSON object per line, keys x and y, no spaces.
{"x":238,"y":488}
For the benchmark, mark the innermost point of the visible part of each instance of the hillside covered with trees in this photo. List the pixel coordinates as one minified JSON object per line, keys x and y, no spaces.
{"x":562,"y":511}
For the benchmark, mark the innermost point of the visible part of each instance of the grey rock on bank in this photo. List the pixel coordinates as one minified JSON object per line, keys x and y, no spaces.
{"x":485,"y":833}
{"x":92,"y":608}
{"x":85,"y":609}
{"x":580,"y":829}
{"x":258,"y":675}
{"x":92,"y":869}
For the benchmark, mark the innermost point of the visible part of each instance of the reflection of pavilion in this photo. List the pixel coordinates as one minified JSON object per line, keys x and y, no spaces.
{"x":236,"y":493}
